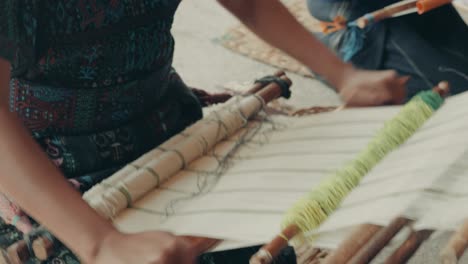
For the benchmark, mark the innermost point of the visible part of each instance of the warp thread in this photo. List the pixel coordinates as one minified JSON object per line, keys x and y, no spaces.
{"x":314,"y":208}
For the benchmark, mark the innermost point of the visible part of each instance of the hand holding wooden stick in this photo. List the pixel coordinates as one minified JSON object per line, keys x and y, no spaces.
{"x":409,"y":247}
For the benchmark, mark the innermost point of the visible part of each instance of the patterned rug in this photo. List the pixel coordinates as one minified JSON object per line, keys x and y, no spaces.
{"x":241,"y":40}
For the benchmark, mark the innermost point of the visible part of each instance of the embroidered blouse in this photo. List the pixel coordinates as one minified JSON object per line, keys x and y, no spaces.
{"x":92,"y":79}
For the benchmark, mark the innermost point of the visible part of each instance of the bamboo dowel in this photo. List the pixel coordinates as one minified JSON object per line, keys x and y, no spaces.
{"x":144,"y":159}
{"x":379,"y":241}
{"x":409,"y":247}
{"x":456,"y":246}
{"x":358,"y":238}
{"x":422,"y":6}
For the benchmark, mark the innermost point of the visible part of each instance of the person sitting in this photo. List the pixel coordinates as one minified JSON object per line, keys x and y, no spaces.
{"x":87,"y":86}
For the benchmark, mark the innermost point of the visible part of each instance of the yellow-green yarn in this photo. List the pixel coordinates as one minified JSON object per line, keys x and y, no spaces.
{"x":314,"y":208}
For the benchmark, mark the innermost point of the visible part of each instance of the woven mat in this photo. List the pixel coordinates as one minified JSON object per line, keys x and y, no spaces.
{"x":240,"y":40}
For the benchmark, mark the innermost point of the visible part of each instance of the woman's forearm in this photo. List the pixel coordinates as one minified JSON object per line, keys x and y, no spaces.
{"x":270,"y":20}
{"x":38,"y":187}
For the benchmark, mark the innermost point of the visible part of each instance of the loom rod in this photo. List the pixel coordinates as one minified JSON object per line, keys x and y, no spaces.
{"x":259,"y":85}
{"x":348,"y":248}
{"x":409,"y":247}
{"x":379,"y":241}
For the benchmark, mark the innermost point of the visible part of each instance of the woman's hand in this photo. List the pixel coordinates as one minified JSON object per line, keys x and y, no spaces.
{"x":272,"y":22}
{"x":372,"y":88}
{"x":144,"y":248}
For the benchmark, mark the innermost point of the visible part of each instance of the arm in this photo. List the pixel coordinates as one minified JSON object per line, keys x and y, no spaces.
{"x":40,"y":189}
{"x":271,"y":21}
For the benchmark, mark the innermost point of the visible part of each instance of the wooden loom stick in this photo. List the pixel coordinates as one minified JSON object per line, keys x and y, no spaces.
{"x":43,"y":247}
{"x":151,"y":155}
{"x":157,"y":171}
{"x":358,"y":238}
{"x":456,"y":246}
{"x":409,"y":247}
{"x":272,"y":250}
{"x":260,"y":85}
{"x":379,"y":241}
